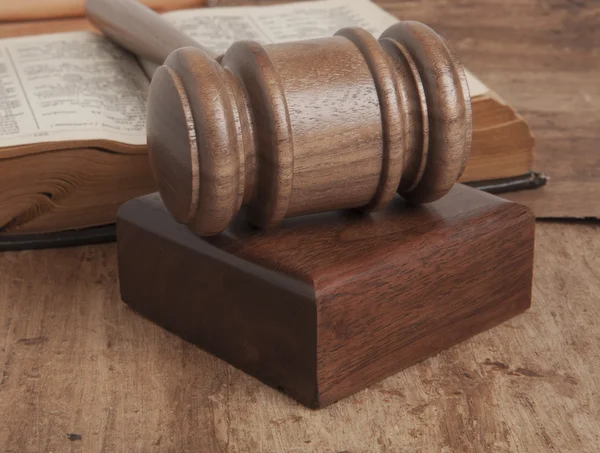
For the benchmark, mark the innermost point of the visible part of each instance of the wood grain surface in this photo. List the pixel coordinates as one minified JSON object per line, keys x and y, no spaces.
{"x":543,"y":58}
{"x":332,"y":303}
{"x":303,"y":127}
{"x":75,"y":359}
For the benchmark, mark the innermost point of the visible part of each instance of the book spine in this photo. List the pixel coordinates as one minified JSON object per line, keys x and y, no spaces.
{"x":531,"y":180}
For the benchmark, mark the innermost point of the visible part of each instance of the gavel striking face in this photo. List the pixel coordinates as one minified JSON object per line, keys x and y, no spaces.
{"x":308,"y":126}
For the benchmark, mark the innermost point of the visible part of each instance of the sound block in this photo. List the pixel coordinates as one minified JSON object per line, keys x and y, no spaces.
{"x":328,"y":304}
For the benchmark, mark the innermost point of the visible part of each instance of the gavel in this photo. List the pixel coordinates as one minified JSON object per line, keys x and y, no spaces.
{"x":299,"y":127}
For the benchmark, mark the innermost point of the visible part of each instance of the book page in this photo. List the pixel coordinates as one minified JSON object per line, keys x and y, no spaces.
{"x":80,"y":86}
{"x":218,"y":28}
{"x":70,"y":86}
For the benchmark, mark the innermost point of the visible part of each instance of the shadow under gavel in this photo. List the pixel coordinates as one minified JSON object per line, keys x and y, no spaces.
{"x":298,"y":127}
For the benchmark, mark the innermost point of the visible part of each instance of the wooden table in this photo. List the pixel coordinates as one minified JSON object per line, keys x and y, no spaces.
{"x":74,"y":359}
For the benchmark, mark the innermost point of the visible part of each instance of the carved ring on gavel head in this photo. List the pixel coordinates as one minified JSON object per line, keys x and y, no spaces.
{"x":308,"y":126}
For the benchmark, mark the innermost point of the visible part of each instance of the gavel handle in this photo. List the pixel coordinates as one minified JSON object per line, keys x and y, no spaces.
{"x":138,"y":29}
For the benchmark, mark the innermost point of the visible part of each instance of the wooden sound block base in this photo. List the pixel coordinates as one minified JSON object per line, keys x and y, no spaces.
{"x":331,"y":303}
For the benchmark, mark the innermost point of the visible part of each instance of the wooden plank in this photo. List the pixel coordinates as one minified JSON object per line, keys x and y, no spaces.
{"x":75,"y":359}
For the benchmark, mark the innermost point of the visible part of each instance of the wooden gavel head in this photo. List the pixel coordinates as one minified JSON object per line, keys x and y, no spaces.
{"x":308,"y":126}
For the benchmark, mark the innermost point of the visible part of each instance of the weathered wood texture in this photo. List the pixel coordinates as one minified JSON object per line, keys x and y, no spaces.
{"x":75,"y":359}
{"x":543,"y":58}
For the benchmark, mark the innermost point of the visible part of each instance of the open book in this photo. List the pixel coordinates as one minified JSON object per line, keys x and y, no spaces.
{"x":72,"y":112}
